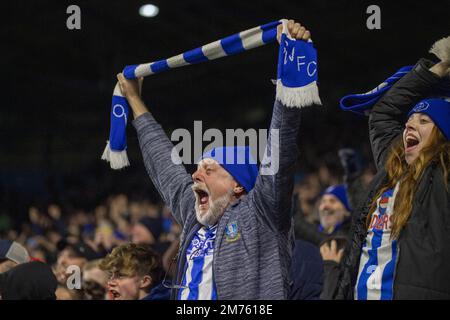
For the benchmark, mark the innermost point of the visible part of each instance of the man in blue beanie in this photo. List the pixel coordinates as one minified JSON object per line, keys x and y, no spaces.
{"x":334,"y":209}
{"x":237,"y":225}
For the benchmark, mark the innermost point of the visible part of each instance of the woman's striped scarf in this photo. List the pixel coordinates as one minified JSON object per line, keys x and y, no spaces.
{"x":362,"y":103}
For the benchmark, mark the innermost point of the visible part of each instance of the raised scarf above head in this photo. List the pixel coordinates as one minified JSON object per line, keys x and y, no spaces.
{"x":296,"y":77}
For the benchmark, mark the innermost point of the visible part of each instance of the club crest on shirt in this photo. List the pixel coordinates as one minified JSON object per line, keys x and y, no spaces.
{"x":231,"y":232}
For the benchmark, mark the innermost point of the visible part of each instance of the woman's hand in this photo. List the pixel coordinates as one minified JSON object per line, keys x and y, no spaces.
{"x":329,"y":252}
{"x":441,"y":69}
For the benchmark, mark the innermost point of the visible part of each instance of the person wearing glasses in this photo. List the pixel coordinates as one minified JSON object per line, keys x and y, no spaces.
{"x":134,"y":273}
{"x":237,"y":228}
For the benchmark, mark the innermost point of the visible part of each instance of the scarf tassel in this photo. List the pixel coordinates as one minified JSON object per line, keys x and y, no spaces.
{"x":116,"y":159}
{"x":298,"y":97}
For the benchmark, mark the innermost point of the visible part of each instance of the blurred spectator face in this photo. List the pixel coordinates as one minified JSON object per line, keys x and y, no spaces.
{"x":324,"y":175}
{"x":368,"y":176}
{"x":141,"y":235}
{"x":67,"y":258}
{"x":136,"y":210}
{"x":94,"y":282}
{"x":119,"y":205}
{"x":12,"y":235}
{"x":331,"y":211}
{"x":54,"y":211}
{"x":33,"y":214}
{"x":100,"y":212}
{"x":151,"y":209}
{"x":53,"y":236}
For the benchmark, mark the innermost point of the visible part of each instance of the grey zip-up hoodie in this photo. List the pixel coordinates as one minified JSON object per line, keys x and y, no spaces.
{"x":254,"y":262}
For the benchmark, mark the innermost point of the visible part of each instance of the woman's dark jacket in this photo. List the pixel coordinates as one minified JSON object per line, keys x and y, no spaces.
{"x":423,"y":265}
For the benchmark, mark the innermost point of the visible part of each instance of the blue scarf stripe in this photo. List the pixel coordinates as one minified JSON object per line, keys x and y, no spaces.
{"x":196,"y":276}
{"x":195,"y":56}
{"x":232,"y":44}
{"x":129,"y":71}
{"x":214,"y":292}
{"x":269,"y":33}
{"x":159,"y":66}
{"x":359,"y":103}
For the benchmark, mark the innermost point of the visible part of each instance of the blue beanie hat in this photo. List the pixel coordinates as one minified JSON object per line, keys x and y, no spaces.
{"x":438,"y":110}
{"x":340,"y":192}
{"x":238,"y":162}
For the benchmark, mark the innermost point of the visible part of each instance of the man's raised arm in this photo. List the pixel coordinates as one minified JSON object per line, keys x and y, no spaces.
{"x":171,"y":180}
{"x":272,"y":194}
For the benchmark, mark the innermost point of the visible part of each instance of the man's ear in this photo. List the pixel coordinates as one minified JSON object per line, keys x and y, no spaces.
{"x":238,"y":189}
{"x":146,"y":282}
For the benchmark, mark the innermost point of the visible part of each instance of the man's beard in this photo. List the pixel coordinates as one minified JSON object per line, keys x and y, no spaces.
{"x":337,"y":215}
{"x":215,"y":210}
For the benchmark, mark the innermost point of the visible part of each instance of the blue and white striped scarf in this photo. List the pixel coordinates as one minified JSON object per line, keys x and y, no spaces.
{"x":296,"y":78}
{"x":361,"y":103}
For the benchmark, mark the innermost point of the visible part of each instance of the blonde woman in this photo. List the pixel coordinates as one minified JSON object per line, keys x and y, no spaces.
{"x":400,"y":246}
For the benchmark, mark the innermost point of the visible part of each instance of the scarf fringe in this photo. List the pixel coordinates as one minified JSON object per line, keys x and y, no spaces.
{"x":298,"y":97}
{"x":116,"y":159}
{"x":441,"y":49}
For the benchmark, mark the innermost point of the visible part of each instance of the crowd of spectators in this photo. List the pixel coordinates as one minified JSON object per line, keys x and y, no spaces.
{"x":124,"y":237}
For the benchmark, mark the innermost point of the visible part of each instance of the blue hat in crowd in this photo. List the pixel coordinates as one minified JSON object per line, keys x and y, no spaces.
{"x":438,"y":110}
{"x":340,"y":192}
{"x":238,"y":162}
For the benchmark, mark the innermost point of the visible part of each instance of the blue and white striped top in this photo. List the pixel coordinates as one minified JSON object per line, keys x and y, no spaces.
{"x":198,"y":278}
{"x":379,"y":254}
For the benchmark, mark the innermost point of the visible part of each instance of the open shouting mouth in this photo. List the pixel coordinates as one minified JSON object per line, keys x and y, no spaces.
{"x":202,"y":196}
{"x":411,"y":142}
{"x":115,"y":295}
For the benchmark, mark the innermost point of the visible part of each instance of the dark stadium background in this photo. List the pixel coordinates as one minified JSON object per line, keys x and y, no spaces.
{"x":58,"y":83}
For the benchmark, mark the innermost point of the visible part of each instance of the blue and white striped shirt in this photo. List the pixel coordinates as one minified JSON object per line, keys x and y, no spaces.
{"x":379,"y":254}
{"x":198,"y":277}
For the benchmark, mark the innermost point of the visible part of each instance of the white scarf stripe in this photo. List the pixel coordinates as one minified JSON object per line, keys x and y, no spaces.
{"x":252,"y":38}
{"x":143,"y":70}
{"x":176,"y":61}
{"x":213,"y":50}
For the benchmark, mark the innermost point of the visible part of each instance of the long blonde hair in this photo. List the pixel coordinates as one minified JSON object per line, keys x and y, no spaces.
{"x":437,"y":151}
